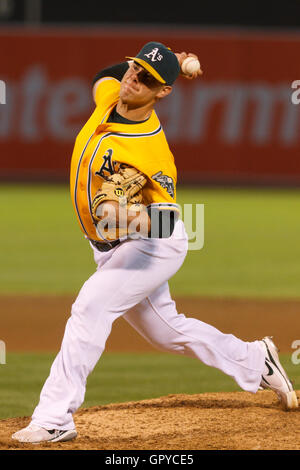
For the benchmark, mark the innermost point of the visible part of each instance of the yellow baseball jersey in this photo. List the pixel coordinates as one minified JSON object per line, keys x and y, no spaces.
{"x":100,"y":146}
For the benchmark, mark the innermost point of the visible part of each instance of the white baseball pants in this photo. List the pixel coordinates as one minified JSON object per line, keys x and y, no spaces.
{"x":131,"y":280}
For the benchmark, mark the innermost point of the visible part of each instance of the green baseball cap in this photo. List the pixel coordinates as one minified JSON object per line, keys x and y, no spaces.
{"x":160,"y":61}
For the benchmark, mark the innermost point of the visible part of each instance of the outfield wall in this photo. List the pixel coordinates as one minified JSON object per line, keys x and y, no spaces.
{"x":236,"y":124}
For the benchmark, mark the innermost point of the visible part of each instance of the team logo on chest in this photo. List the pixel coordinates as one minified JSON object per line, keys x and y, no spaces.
{"x":166,"y":182}
{"x":107,"y":167}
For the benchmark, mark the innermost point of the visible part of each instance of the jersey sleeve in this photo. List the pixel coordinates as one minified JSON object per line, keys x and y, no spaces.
{"x":106,"y":84}
{"x":106,"y":92}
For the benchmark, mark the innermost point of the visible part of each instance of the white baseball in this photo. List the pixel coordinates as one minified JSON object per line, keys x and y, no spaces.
{"x":190,"y":65}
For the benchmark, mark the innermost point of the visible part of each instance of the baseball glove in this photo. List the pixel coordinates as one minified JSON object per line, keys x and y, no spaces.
{"x":124,"y":187}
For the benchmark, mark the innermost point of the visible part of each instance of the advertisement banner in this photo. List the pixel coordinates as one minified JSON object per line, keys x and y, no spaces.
{"x":239,"y":123}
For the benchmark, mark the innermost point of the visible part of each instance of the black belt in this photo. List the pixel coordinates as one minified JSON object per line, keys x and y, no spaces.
{"x":103,"y":246}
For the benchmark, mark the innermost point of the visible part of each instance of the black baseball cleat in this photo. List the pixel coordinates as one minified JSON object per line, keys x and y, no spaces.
{"x":35,"y":434}
{"x":275,"y":378}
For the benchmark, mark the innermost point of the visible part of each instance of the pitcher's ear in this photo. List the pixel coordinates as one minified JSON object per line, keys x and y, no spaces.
{"x":164,"y":92}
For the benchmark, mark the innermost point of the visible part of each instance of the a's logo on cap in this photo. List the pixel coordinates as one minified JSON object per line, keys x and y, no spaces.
{"x":154,"y":55}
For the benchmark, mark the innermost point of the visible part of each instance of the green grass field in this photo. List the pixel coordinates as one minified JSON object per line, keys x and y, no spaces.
{"x":251,"y":249}
{"x":251,"y":246}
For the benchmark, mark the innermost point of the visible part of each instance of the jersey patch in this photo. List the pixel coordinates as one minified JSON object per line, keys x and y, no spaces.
{"x":165,"y":181}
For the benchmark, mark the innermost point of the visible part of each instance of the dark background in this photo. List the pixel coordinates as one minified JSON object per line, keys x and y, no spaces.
{"x":251,"y":13}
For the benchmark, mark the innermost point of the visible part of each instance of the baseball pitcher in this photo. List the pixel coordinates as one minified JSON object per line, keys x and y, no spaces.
{"x":123,"y":188}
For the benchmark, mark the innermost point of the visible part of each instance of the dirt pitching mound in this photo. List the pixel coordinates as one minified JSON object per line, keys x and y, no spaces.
{"x":210,"y":421}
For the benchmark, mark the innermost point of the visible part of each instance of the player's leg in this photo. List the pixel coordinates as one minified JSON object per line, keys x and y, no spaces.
{"x":157,"y":320}
{"x":251,"y":364}
{"x":125,"y":276}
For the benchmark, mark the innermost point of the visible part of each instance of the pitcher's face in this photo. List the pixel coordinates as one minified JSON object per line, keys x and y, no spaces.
{"x":139,"y":87}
